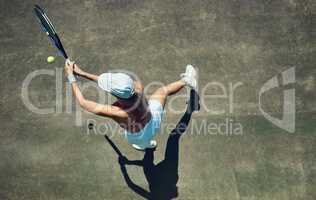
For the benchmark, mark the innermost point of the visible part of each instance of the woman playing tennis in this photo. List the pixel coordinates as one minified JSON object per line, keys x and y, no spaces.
{"x":138,"y":116}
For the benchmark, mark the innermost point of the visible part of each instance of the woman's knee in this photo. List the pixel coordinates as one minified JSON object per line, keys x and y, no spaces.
{"x":162,"y":91}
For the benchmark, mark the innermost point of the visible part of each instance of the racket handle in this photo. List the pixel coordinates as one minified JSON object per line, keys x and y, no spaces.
{"x":68,"y":61}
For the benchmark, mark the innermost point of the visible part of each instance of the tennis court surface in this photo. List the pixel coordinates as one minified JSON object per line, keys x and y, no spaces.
{"x":232,"y":149}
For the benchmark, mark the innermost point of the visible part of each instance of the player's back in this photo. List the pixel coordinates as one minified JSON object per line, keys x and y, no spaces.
{"x":137,"y":110}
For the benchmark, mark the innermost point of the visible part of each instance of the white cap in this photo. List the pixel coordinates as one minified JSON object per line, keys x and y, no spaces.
{"x":118,"y":84}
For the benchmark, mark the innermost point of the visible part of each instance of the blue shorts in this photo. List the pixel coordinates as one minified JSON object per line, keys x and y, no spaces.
{"x":144,"y":136}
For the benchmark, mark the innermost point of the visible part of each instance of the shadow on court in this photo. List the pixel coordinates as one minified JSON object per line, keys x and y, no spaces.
{"x":162,"y":178}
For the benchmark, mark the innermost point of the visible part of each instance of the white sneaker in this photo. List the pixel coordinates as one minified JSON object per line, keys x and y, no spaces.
{"x":190,"y":76}
{"x":152,"y":145}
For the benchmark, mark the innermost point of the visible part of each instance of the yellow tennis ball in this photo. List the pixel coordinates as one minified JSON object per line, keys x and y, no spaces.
{"x":50,"y":59}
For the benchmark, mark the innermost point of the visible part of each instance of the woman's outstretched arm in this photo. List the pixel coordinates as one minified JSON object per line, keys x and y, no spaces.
{"x":80,"y":72}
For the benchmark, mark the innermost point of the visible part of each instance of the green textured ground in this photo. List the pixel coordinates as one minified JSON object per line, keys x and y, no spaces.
{"x":49,"y":157}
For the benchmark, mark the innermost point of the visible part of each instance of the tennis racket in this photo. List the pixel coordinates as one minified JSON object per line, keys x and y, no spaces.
{"x":50,"y":31}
